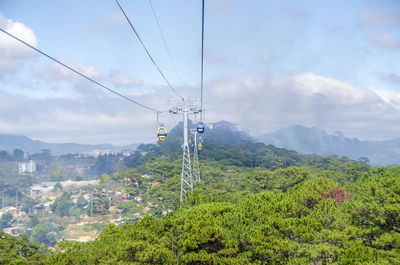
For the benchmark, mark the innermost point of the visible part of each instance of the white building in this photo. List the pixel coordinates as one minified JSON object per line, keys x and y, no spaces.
{"x":97,"y":153}
{"x":27,"y":167}
{"x":127,"y":152}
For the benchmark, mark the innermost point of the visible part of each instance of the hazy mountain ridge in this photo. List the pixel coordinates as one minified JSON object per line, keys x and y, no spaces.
{"x":313,"y":140}
{"x":222,"y":132}
{"x":10,"y":142}
{"x":298,"y":138}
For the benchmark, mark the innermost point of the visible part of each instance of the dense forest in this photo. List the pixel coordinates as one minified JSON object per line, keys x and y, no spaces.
{"x":256,"y":204}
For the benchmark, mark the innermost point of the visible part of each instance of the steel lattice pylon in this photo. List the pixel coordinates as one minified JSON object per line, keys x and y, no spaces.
{"x":196,"y":165}
{"x":186,"y":175}
{"x":186,"y":107}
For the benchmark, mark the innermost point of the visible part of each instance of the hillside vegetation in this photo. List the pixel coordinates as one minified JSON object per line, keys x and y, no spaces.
{"x":256,"y":204}
{"x":302,"y":218}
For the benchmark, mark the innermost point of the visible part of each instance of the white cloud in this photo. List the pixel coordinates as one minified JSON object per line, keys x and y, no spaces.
{"x":380,"y":19}
{"x":108,"y":23}
{"x":258,"y":104}
{"x":389,"y":96}
{"x":59,"y":77}
{"x":335,"y":28}
{"x":223,"y":5}
{"x":120,"y":80}
{"x":388,"y":21}
{"x":118,"y":18}
{"x":219,"y":58}
{"x":55,"y":72}
{"x":85,"y":120}
{"x":389,"y":77}
{"x":12,"y":53}
{"x":262,"y":105}
{"x":385,"y":40}
{"x":296,"y":14}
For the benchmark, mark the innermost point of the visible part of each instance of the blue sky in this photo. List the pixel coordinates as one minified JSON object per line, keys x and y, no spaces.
{"x":269,"y":64}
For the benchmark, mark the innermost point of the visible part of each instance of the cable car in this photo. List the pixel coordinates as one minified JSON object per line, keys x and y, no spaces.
{"x":162,"y":133}
{"x":199,"y":146}
{"x":200,"y":127}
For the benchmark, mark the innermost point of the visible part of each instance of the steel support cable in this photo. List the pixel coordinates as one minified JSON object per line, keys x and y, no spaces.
{"x":77,"y":72}
{"x":165,"y":43}
{"x":202,"y":57}
{"x":147,"y":51}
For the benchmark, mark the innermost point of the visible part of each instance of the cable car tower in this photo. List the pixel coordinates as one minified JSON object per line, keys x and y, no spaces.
{"x":186,"y":107}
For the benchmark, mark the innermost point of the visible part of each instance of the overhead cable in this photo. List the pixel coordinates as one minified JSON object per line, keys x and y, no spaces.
{"x":202,"y":56}
{"x":165,"y":43}
{"x":77,"y":72}
{"x":147,"y":51}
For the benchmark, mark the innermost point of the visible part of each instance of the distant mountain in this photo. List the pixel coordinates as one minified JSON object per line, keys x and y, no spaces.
{"x":10,"y":142}
{"x":298,"y":138}
{"x":222,"y":132}
{"x":313,"y":140}
{"x":225,"y":132}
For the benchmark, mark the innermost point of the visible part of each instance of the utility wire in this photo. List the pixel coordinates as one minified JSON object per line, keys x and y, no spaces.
{"x":165,"y":43}
{"x":77,"y":72}
{"x":202,"y":56}
{"x":148,"y":53}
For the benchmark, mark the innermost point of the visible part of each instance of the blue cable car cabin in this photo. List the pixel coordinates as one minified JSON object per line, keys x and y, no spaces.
{"x":162,"y":134}
{"x":200,"y":127}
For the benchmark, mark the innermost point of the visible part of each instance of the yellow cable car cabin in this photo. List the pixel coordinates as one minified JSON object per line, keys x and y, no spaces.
{"x":162,"y":133}
{"x":199,"y":146}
